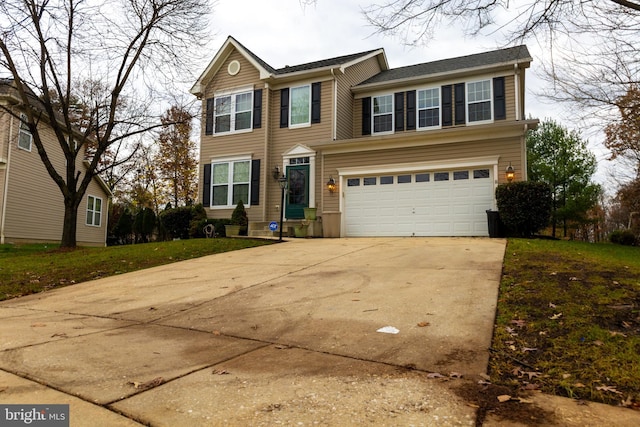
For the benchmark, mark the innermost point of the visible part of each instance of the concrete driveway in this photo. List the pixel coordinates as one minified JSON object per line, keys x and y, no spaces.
{"x":282,"y":334}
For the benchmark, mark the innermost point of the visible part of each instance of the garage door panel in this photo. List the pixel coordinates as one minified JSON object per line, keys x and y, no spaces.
{"x":454,"y":207}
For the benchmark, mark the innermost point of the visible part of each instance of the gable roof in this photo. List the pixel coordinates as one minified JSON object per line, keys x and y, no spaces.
{"x":267,"y":72}
{"x":497,"y":58}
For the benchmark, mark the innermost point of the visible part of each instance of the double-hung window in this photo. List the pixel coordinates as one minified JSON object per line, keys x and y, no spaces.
{"x":479,"y":101}
{"x":231,"y":182}
{"x":428,"y":108}
{"x":94,"y":210}
{"x":300,"y":105}
{"x":382,"y":113}
{"x":233,"y":113}
{"x":24,"y":135}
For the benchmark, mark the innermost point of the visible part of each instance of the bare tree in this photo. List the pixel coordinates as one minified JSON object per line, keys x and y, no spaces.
{"x":124,"y":47}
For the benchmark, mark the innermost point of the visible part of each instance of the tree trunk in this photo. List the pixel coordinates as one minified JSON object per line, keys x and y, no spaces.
{"x":69,"y":225}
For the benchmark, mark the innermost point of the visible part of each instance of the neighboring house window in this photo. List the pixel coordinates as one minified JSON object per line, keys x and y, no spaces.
{"x":94,"y":210}
{"x":231,"y":182}
{"x":479,"y":101}
{"x":24,"y":136}
{"x":300,"y":106}
{"x":382,"y":113}
{"x":232,"y":113}
{"x":428,"y":108}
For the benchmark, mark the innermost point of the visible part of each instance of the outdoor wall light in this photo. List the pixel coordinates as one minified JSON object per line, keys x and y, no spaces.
{"x":276,"y":173}
{"x":510,"y":173}
{"x":331,"y":185}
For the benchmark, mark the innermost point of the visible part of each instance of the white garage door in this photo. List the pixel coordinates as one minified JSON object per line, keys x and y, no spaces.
{"x":434,"y":203}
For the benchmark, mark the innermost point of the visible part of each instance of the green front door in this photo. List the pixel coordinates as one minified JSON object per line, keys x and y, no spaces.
{"x":298,"y":193}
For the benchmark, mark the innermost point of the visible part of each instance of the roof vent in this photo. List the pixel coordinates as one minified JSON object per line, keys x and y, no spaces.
{"x":233,"y":68}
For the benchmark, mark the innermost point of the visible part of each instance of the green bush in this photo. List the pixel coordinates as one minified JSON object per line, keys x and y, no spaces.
{"x":176,"y":222}
{"x":623,"y":237}
{"x":524,"y":207}
{"x":144,"y":224}
{"x":239,"y":217}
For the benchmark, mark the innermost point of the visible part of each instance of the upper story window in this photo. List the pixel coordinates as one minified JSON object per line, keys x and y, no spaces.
{"x":24,"y":135}
{"x":233,"y":113}
{"x":230,"y":183}
{"x":479,"y":101}
{"x":94,"y":210}
{"x":382,"y":113}
{"x":300,"y":106}
{"x":428,"y":108}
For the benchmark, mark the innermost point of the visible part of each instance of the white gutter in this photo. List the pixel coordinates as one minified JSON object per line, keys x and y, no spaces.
{"x":265,"y":168}
{"x":6,"y":184}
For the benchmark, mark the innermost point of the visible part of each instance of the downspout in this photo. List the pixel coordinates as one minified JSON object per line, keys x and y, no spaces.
{"x":106,"y":223}
{"x":335,"y":106}
{"x":525,"y":176}
{"x":6,"y":183}
{"x":516,"y":74}
{"x":265,"y":168}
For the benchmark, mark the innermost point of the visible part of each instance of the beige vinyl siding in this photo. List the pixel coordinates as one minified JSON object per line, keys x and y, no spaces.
{"x":353,"y":75}
{"x":510,"y":96}
{"x":35,"y":205}
{"x":509,"y":150}
{"x":250,"y":143}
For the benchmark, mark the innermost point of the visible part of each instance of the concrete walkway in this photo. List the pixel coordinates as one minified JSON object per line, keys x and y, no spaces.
{"x":284,"y":334}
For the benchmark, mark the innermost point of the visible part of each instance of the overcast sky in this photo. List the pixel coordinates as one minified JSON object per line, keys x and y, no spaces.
{"x":285,"y":32}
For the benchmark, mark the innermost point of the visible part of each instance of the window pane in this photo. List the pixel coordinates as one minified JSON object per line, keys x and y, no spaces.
{"x":300,"y":105}
{"x":98,"y":205}
{"x":428,"y":98}
{"x":382,"y":123}
{"x":382,"y":104}
{"x":24,"y":140}
{"x":428,"y":118}
{"x":241,"y":172}
{"x":223,"y":124}
{"x":458,"y":175}
{"x":370,"y":181}
{"x":403,"y":179}
{"x":243,"y":121}
{"x":220,"y":194}
{"x":223,"y":105}
{"x":480,"y":111}
{"x":90,"y":202}
{"x":481,"y":173}
{"x":240,"y":192}
{"x":96,"y":220}
{"x":386,"y":180}
{"x":441,"y":176}
{"x":353,"y":182}
{"x":221,"y":173}
{"x":422,"y":177}
{"x":243,"y":102}
{"x":479,"y":91}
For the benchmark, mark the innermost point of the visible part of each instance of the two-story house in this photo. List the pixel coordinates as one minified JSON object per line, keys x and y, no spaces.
{"x":379,"y":151}
{"x":31,"y":204}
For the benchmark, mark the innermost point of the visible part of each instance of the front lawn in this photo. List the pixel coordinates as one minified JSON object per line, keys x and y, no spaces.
{"x":27,"y":269}
{"x":568,"y":321}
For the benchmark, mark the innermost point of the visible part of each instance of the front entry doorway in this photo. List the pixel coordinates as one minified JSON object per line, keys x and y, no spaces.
{"x":298,"y":191}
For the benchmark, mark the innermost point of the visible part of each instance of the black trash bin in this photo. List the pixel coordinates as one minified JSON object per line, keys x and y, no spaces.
{"x":495,"y":225}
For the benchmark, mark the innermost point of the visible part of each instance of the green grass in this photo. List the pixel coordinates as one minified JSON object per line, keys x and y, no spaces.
{"x":27,"y":269}
{"x":568,"y":320}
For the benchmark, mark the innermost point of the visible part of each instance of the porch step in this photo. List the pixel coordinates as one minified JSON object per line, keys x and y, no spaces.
{"x":261,"y":229}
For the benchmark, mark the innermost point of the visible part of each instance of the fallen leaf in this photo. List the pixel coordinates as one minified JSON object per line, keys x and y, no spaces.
{"x":532,"y":374}
{"x":512,"y":347}
{"x":531,"y":387}
{"x":574,"y":279}
{"x":553,"y":273}
{"x":216,"y":332}
{"x":511,"y":331}
{"x":149,"y":384}
{"x":626,"y":325}
{"x":38,"y":325}
{"x":519,"y":322}
{"x":517,"y":372}
{"x":556,"y":316}
{"x":423,"y":324}
{"x":61,"y":335}
{"x":610,"y":389}
{"x":484,"y":382}
{"x":220,"y":372}
{"x":355,"y":300}
{"x":282,"y":347}
{"x":616,"y":333}
{"x":552,"y":305}
{"x":525,"y":349}
{"x":522,"y":400}
{"x":435,"y":375}
{"x":579,"y":385}
{"x":615,"y":283}
{"x":504,"y":398}
{"x":565,"y":376}
{"x":598,"y":343}
{"x":455,"y":375}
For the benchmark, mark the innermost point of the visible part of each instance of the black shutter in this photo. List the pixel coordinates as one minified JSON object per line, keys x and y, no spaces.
{"x":447,"y":106}
{"x":366,"y":116}
{"x":315,"y":102}
{"x":499,"y":101}
{"x":206,"y":186}
{"x":208,"y":130}
{"x":257,"y":108}
{"x":399,"y":111}
{"x":459,"y":103}
{"x":255,"y":182}
{"x":284,"y":107}
{"x":411,"y":110}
